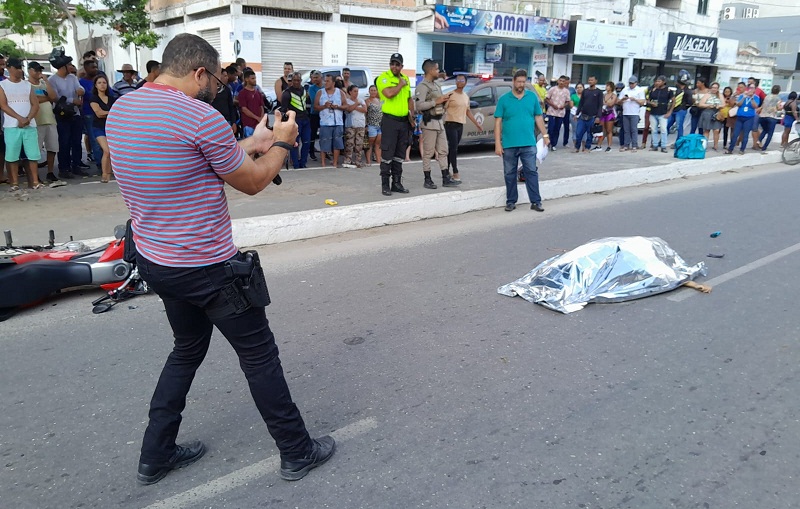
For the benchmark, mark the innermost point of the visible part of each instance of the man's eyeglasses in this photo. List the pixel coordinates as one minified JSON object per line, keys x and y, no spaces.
{"x":221,"y":85}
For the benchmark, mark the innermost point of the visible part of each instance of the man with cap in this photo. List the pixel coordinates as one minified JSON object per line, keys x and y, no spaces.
{"x":128,"y":82}
{"x":19,"y":105}
{"x":68,"y":118}
{"x":661,"y":104}
{"x":398,"y":113}
{"x":631,"y":99}
{"x":618,"y":112}
{"x":45,"y":119}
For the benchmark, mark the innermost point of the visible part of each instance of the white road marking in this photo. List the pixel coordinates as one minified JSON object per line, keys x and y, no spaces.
{"x":744,"y":269}
{"x":194,"y":496}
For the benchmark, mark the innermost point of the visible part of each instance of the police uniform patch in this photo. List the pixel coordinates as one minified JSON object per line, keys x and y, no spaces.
{"x":384,"y":80}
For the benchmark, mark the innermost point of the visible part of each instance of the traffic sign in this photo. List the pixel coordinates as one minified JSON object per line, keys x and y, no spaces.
{"x":100,"y":52}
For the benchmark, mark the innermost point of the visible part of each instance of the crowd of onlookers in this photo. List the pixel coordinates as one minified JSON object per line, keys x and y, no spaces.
{"x":54,"y":118}
{"x":592,"y":115}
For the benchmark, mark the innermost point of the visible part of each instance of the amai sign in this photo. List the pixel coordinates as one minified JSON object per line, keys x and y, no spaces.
{"x":691,"y":48}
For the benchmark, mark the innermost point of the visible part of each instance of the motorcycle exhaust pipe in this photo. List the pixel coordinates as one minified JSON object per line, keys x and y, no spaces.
{"x":9,"y":242}
{"x":52,"y":239}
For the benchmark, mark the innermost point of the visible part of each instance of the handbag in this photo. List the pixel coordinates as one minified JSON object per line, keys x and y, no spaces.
{"x":694,"y":111}
{"x":64,"y":110}
{"x":733,"y":111}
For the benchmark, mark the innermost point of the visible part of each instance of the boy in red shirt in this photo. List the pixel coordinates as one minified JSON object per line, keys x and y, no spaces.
{"x":251,"y":104}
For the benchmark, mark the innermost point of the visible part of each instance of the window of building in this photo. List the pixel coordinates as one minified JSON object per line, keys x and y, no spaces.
{"x":702,"y":7}
{"x":668,"y":4}
{"x":775,"y":48}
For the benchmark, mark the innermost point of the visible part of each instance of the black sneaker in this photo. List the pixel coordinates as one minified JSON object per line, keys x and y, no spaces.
{"x":537,"y":207}
{"x":510,"y":207}
{"x":50,"y":178}
{"x":321,"y":451}
{"x":184,"y":455}
{"x":66,"y":175}
{"x":83,"y":166}
{"x":79,"y":172}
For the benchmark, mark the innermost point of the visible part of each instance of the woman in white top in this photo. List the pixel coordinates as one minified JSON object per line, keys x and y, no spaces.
{"x":354,"y":126}
{"x":709,"y":106}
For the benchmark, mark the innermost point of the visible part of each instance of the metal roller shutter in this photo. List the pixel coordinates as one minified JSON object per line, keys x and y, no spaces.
{"x":213,"y":38}
{"x":372,"y":52}
{"x":302,"y":49}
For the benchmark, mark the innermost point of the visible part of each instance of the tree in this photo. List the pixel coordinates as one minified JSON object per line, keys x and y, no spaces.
{"x":127,"y":17}
{"x":8,"y":48}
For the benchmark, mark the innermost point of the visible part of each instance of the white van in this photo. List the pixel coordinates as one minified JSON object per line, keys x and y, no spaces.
{"x":359,"y":76}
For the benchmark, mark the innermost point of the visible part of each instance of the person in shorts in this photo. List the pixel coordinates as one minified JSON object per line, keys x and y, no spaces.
{"x":20,"y":106}
{"x":45,"y":119}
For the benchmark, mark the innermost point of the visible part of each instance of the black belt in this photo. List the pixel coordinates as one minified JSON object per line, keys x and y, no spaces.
{"x":403,"y":118}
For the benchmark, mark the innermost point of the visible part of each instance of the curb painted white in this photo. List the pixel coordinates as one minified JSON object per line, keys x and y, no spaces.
{"x":308,"y":224}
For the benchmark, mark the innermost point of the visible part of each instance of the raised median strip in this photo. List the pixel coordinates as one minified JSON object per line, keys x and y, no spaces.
{"x":308,"y":224}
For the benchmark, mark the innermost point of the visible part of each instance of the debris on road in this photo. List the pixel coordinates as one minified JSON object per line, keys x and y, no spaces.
{"x":612,"y":269}
{"x":712,"y":255}
{"x":331,"y":202}
{"x":715,"y":235}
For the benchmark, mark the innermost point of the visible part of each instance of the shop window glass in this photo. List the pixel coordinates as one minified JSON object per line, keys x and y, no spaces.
{"x":514,"y":58}
{"x":483,"y":97}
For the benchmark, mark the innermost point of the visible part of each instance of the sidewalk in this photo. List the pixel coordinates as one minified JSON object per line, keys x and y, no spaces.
{"x":86,"y":209}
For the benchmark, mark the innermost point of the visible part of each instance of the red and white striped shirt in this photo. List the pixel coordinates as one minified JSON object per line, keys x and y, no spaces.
{"x":168,"y":151}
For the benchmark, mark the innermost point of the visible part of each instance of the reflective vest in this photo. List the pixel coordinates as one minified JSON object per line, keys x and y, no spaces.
{"x":397,"y":105}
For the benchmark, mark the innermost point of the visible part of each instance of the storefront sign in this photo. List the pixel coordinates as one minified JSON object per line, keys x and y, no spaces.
{"x":494,"y":53}
{"x":603,"y":40}
{"x":539,"y":61}
{"x":691,"y":48}
{"x":484,"y":69}
{"x":463,"y":20}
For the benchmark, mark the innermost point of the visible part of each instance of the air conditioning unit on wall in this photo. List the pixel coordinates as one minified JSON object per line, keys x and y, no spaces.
{"x":729,"y":13}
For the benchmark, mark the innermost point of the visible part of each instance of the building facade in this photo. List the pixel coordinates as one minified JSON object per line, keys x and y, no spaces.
{"x":775,"y":37}
{"x":308,"y":34}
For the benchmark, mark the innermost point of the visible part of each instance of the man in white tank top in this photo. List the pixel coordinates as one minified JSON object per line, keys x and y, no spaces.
{"x":20,"y":106}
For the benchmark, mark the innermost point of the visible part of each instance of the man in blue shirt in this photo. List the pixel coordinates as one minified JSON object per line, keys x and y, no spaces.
{"x":93,"y":148}
{"x":517,"y":116}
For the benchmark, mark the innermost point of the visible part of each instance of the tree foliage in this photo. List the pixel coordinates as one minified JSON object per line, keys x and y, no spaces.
{"x":22,"y":16}
{"x":9,"y":48}
{"x":129,"y":18}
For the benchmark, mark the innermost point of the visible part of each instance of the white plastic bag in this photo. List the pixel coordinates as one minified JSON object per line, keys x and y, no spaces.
{"x":541,"y":150}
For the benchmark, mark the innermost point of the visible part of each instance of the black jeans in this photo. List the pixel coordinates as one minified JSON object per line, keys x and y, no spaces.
{"x":453,"y":131}
{"x":314,"y":119}
{"x":194,"y":304}
{"x":70,"y":150}
{"x":394,"y":142}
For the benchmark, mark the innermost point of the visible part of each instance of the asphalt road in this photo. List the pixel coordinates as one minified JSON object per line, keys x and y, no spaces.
{"x":442,"y":392}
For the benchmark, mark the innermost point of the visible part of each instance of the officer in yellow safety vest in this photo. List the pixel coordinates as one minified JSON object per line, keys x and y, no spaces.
{"x":398,"y":115}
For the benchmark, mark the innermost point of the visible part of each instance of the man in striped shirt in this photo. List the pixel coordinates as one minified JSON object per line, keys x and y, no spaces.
{"x":185,"y":251}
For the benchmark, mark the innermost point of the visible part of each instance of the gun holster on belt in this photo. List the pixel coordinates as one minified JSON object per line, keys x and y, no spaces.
{"x":249,"y":287}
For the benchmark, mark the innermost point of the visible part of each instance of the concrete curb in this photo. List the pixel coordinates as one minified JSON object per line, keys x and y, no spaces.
{"x":307,"y":224}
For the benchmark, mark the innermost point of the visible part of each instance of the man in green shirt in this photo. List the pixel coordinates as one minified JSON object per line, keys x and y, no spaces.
{"x":517,"y":117}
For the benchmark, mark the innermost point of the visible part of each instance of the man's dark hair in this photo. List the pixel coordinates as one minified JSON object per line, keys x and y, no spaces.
{"x":428,"y":64}
{"x":232,"y":69}
{"x":248,"y":73}
{"x":701,"y":79}
{"x":297,"y":74}
{"x":240,"y":61}
{"x":289,"y":63}
{"x":88,"y":54}
{"x":187,"y":52}
{"x":521,"y":73}
{"x":89,"y":62}
{"x":345,"y":69}
{"x":562,"y":77}
{"x":150,"y":65}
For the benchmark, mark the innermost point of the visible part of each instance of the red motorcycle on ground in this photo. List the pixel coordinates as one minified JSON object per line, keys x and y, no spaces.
{"x":30,"y":274}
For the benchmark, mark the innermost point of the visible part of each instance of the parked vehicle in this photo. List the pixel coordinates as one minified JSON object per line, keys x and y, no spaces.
{"x":359,"y":76}
{"x":483,"y":92}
